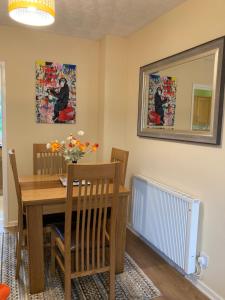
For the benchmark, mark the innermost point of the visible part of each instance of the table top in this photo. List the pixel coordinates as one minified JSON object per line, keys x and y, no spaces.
{"x":47,"y":189}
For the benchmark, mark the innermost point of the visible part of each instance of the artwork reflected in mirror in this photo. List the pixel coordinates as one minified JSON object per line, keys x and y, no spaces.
{"x":162,"y":101}
{"x":181,"y":96}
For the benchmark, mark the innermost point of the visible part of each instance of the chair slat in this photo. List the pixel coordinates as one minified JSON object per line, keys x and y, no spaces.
{"x":47,"y":162}
{"x":104,"y":221}
{"x":88,"y":227}
{"x":100,"y":205}
{"x":94,"y":224}
{"x":77,"y":260}
{"x":83,"y":225}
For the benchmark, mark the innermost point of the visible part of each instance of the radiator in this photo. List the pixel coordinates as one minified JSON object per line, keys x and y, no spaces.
{"x":167,"y":219}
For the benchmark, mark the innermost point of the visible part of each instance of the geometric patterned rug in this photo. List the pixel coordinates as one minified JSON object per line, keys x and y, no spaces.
{"x":131,"y":284}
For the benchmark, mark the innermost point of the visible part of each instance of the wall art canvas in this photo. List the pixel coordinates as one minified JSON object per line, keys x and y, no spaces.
{"x":161,"y":101}
{"x":55,"y":92}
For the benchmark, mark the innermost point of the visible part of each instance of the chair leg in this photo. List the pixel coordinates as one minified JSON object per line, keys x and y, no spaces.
{"x":112,"y":284}
{"x":18,"y":254}
{"x":17,"y":246}
{"x":53,"y":252}
{"x":67,"y":276}
{"x":67,"y":287}
{"x":112,"y":261}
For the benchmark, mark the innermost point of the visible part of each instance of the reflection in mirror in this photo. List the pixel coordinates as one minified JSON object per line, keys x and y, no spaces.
{"x":201,"y":107}
{"x":181,"y":97}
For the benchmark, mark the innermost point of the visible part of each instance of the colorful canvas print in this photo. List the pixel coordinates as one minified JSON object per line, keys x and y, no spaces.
{"x":55,"y":92}
{"x":161,"y":101}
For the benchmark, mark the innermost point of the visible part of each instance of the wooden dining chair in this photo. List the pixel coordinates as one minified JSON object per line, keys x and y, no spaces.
{"x":21,"y":227}
{"x":47,"y":162}
{"x":122,"y":157}
{"x":86,"y":247}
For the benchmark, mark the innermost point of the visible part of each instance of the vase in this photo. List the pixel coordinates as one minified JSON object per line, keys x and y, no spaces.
{"x":74,"y":161}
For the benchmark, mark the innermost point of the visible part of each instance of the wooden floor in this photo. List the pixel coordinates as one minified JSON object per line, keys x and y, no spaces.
{"x":172,"y":285}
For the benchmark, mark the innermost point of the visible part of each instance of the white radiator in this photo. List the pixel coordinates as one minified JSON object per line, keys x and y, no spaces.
{"x":167,"y":219}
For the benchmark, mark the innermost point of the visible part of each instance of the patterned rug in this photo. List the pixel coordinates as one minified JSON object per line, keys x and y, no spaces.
{"x":131,"y":284}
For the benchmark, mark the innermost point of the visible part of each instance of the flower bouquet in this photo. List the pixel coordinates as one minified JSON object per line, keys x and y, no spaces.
{"x":72,"y":149}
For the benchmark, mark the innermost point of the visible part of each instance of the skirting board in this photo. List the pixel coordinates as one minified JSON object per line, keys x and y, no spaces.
{"x":200,"y":285}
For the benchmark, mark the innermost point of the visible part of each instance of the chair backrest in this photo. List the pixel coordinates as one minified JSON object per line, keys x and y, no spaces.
{"x":97,"y":194}
{"x":47,"y":162}
{"x":122,"y":157}
{"x":12,"y":158}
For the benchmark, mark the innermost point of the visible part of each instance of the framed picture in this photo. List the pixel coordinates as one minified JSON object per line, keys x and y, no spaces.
{"x":55,"y":92}
{"x":181,"y":97}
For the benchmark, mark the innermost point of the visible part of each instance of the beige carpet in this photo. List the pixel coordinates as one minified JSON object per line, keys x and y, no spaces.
{"x":131,"y":284}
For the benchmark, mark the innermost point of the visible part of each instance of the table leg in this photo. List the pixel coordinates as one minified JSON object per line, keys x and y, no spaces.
{"x":35,"y":248}
{"x":121,"y":224}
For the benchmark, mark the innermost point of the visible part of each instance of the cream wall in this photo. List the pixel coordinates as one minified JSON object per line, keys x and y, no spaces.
{"x":192,"y":168}
{"x":19,"y":49}
{"x":113,"y":93}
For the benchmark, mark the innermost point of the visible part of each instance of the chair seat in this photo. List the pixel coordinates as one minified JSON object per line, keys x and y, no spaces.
{"x":59,"y":228}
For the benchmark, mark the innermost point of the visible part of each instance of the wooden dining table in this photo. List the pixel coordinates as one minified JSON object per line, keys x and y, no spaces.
{"x":44,"y":194}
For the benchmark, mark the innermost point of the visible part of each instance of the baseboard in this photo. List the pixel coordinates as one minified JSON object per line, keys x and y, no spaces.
{"x":11,"y":224}
{"x":200,"y":285}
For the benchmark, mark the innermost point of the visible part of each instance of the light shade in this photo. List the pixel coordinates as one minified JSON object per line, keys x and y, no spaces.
{"x":32,"y":12}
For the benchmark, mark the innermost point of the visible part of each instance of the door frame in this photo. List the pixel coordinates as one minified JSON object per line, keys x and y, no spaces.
{"x":4,"y":144}
{"x":201,"y":87}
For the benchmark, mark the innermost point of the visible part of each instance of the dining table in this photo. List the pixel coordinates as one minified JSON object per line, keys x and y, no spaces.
{"x":45,"y":194}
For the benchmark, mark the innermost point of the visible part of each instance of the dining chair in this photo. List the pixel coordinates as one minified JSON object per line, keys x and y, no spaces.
{"x":21,"y":227}
{"x":87,"y":246}
{"x":47,"y":162}
{"x":122,"y":157}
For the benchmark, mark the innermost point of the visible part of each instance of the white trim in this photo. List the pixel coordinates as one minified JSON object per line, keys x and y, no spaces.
{"x":11,"y":224}
{"x":4,"y":144}
{"x":200,"y":285}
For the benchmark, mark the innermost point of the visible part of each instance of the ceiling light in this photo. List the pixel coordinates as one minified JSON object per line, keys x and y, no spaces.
{"x":32,"y":12}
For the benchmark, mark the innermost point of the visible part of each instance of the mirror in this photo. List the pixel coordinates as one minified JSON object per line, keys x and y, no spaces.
{"x":181,"y":97}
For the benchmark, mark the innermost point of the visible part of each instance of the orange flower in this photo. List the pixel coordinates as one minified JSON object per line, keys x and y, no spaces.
{"x":55,"y":146}
{"x":94,"y":147}
{"x":82,"y":147}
